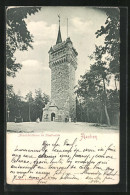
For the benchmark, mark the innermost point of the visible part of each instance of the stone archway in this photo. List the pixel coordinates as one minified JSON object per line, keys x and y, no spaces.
{"x":52,"y":115}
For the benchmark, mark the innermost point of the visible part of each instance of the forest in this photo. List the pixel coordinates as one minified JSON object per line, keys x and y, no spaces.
{"x":29,"y":108}
{"x":97,"y":101}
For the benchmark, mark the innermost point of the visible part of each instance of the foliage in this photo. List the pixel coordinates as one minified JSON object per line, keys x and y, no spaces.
{"x":41,"y":99}
{"x":96,"y":102}
{"x":91,"y":101}
{"x":17,"y":35}
{"x":111,"y":30}
{"x":15,"y":105}
{"x":29,"y":108}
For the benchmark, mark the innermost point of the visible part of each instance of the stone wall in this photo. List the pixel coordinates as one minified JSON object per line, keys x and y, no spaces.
{"x":62,"y":88}
{"x":60,"y":84}
{"x":63,"y":63}
{"x":72,"y":99}
{"x":47,"y":113}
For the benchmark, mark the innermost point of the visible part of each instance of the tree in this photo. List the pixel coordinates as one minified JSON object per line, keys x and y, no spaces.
{"x":30,"y":101}
{"x":15,"y":105}
{"x":113,"y":105}
{"x":92,"y":87}
{"x":17,"y":35}
{"x":111,"y":31}
{"x":41,"y":99}
{"x":9,"y":95}
{"x":28,"y":108}
{"x":101,"y":71}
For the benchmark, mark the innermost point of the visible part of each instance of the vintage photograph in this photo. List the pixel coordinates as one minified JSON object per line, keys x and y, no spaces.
{"x":62,"y":95}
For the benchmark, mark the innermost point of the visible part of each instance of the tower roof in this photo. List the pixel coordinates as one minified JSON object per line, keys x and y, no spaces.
{"x":59,"y":39}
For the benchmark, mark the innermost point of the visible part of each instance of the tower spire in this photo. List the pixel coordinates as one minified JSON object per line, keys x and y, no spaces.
{"x":59,"y":39}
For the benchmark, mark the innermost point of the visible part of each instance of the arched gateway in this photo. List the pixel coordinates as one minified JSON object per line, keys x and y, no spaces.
{"x":52,"y":116}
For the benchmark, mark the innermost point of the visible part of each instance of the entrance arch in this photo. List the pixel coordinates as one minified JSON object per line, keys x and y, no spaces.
{"x":52,"y":115}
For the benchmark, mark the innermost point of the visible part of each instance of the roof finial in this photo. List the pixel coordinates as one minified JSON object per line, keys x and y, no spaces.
{"x":67,"y":27}
{"x":59,"y":19}
{"x":59,"y":39}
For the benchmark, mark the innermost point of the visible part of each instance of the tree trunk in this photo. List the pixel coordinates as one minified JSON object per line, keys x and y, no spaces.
{"x":115,"y":84}
{"x":107,"y":116}
{"x":29,"y":113}
{"x":87,"y":115}
{"x":81,"y":114}
{"x":105,"y":106}
{"x":101,"y":116}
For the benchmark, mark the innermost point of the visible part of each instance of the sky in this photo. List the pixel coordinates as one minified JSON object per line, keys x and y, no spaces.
{"x":83,"y":22}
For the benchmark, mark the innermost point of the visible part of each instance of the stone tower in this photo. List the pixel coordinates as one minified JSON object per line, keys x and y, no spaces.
{"x":63,"y":64}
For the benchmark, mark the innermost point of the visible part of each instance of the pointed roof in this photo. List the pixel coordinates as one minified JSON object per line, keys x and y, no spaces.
{"x":50,"y":104}
{"x":59,"y":39}
{"x":51,"y":50}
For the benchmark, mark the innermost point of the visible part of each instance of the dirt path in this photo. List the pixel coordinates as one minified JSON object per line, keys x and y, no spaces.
{"x":58,"y":127}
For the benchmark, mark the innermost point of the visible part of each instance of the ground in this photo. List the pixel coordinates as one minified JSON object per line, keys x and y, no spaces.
{"x":59,"y":127}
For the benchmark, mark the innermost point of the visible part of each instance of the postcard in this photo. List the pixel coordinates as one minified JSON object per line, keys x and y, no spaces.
{"x":62,"y":95}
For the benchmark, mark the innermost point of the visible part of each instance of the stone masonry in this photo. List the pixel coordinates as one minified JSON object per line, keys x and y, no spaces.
{"x":63,"y":64}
